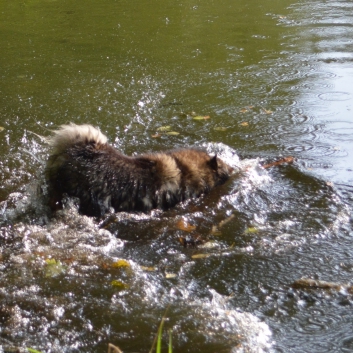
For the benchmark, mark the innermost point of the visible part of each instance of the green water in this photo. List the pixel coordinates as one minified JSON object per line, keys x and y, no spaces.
{"x":274,"y":78}
{"x":64,"y":61}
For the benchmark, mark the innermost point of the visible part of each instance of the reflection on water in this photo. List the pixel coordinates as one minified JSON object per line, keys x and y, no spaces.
{"x":275,"y":80}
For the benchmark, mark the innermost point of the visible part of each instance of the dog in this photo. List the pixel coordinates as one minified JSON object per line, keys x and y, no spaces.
{"x":84,"y":165}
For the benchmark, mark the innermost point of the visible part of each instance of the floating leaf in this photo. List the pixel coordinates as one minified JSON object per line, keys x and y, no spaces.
{"x":267,"y":111}
{"x":119,"y":285}
{"x":215,"y":231}
{"x":244,"y":123}
{"x":121,"y":264}
{"x":31,"y":350}
{"x":173,"y":133}
{"x":210,"y":245}
{"x":182,"y":241}
{"x":170,"y":275}
{"x":2,"y":128}
{"x":164,"y":128}
{"x":288,"y":160}
{"x":251,"y":230}
{"x":54,"y":268}
{"x":201,"y":117}
{"x":113,"y":349}
{"x":308,"y":283}
{"x":183,"y":225}
{"x":105,"y":266}
{"x":220,"y":128}
{"x":246,"y":109}
{"x":200,"y":256}
{"x":226,"y":220}
{"x":148,"y":268}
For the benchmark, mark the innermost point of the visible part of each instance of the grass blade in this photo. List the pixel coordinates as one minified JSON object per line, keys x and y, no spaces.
{"x":159,"y":337}
{"x":170,"y":346}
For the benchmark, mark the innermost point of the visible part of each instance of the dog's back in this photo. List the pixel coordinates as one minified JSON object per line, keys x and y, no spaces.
{"x":84,"y":165}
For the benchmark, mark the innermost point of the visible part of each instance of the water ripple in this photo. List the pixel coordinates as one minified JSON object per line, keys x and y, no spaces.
{"x":335,"y":96}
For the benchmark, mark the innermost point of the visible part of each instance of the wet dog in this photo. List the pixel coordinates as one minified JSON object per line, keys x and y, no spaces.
{"x":83,"y":165}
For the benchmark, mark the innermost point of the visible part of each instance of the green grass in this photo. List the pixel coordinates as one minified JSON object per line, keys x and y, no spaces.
{"x":158,"y":339}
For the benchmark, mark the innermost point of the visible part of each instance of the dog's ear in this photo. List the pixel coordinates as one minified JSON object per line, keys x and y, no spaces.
{"x":214,"y":162}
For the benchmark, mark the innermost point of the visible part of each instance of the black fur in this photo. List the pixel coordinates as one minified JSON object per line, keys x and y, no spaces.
{"x":84,"y":165}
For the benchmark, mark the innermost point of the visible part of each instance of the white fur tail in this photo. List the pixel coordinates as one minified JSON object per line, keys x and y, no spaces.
{"x":71,"y":134}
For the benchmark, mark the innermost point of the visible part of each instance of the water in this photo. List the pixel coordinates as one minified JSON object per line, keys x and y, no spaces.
{"x":275,"y":80}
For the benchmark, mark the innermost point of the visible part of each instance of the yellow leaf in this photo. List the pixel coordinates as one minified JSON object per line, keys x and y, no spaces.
{"x":244,"y":123}
{"x":201,"y":117}
{"x":148,"y":268}
{"x":121,"y":264}
{"x":215,"y":231}
{"x":200,"y":256}
{"x":244,"y":110}
{"x":267,"y":111}
{"x":220,"y":128}
{"x":54,"y":268}
{"x":173,"y":133}
{"x":119,"y":284}
{"x":50,"y":261}
{"x":251,"y":230}
{"x":226,"y":220}
{"x":2,"y":128}
{"x":170,"y":275}
{"x":164,"y":128}
{"x":210,"y":245}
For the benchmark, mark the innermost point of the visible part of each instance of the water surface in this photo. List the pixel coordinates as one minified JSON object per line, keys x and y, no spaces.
{"x":274,"y":79}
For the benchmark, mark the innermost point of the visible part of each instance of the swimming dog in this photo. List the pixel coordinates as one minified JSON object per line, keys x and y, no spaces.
{"x":83,"y":164}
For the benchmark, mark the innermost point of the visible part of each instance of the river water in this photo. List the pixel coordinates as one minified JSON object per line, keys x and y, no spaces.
{"x":271,"y":79}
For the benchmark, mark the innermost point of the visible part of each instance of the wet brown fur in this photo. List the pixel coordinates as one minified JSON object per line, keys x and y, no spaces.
{"x":84,"y":165}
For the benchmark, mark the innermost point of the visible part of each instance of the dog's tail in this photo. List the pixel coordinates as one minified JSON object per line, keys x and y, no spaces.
{"x":69,"y":135}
